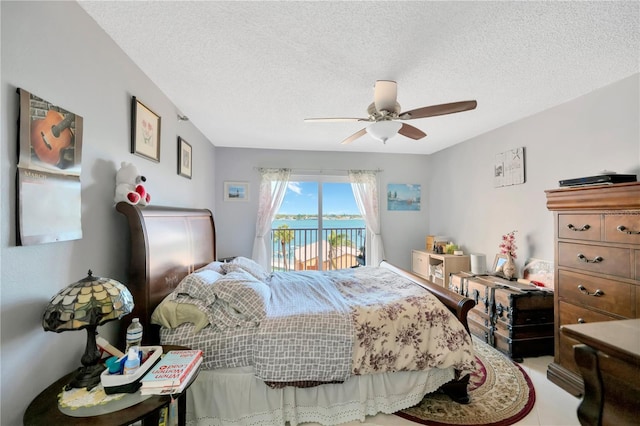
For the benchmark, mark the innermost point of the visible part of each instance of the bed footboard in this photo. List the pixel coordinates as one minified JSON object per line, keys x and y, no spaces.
{"x":456,"y":303}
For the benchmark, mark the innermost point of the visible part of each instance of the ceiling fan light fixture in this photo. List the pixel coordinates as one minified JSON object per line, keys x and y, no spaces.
{"x":383,"y":130}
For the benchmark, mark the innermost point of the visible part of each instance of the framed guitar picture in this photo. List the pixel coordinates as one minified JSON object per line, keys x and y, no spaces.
{"x":50,"y":136}
{"x":49,"y":165}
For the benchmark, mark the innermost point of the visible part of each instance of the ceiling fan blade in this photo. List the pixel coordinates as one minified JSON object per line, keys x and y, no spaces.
{"x":385,"y":95}
{"x":334,"y":120}
{"x":442,"y":109}
{"x":354,"y":136}
{"x":411,"y":132}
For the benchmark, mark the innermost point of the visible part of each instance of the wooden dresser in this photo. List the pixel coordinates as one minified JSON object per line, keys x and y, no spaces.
{"x":597,"y":265}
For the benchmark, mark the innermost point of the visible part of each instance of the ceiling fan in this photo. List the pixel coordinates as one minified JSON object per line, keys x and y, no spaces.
{"x":385,"y":110}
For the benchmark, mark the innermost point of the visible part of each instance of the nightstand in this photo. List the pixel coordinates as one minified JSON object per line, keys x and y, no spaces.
{"x":44,"y":410}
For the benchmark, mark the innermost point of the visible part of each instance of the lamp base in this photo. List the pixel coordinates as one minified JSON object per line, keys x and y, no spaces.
{"x":86,"y":377}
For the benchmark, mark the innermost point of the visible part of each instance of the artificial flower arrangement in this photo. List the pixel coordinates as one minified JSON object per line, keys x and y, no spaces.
{"x":508,"y":244}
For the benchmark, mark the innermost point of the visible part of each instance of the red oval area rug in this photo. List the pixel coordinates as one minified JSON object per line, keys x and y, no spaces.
{"x":501,"y":395}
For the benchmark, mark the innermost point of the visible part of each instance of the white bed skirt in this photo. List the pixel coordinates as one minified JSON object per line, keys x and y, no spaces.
{"x":235,"y":397}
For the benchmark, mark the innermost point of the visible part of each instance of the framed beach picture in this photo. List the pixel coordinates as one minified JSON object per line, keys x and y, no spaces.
{"x":236,"y":191}
{"x":499,"y":262}
{"x":403,"y":197}
{"x":145,"y":131}
{"x":184,"y":158}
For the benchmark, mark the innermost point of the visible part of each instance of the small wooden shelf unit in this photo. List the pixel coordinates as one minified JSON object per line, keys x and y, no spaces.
{"x":438,"y":267}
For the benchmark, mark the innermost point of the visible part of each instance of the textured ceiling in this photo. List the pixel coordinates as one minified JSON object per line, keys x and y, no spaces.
{"x":248,"y":73}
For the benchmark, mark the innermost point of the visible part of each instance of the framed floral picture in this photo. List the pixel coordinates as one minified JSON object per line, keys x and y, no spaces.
{"x":184,"y":158}
{"x":145,"y":131}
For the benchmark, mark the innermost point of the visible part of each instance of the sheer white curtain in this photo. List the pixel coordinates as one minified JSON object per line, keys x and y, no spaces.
{"x":364,"y":184}
{"x":272,"y":189}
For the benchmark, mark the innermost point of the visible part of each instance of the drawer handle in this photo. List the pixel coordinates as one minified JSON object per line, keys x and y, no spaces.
{"x":627,"y":231}
{"x":582,"y":228}
{"x":581,"y":321}
{"x":596,"y":293}
{"x":583,"y":258}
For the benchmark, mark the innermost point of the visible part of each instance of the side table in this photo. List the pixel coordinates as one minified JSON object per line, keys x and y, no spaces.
{"x":609,"y":360}
{"x":44,"y":410}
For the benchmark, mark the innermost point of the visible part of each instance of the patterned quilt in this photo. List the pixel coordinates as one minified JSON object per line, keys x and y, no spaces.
{"x":322,"y":326}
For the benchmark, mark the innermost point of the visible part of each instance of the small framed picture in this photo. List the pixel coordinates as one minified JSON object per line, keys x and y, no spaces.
{"x":184,"y":158}
{"x":236,"y":191}
{"x":499,"y":262}
{"x":145,"y":131}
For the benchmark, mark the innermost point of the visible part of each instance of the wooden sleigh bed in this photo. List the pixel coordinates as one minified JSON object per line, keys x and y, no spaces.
{"x":168,"y":244}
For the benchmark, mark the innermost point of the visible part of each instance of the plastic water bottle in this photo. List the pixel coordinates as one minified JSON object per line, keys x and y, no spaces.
{"x":133,"y":362}
{"x":134,"y":334}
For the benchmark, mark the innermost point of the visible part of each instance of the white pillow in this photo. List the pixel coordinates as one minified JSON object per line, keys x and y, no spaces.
{"x":213,"y":266}
{"x":199,"y":285}
{"x":247,"y":265}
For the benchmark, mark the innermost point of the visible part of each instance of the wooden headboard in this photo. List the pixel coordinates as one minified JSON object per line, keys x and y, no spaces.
{"x":167,"y":244}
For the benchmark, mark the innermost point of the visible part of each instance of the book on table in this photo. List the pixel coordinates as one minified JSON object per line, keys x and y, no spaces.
{"x":170,"y":390}
{"x":172,"y":369}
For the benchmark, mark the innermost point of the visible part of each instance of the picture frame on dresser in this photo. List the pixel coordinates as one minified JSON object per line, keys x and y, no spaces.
{"x":145,"y":131}
{"x":499,"y":262}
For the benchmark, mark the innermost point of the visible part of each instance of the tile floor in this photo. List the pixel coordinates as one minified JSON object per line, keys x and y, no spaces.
{"x":553,"y":407}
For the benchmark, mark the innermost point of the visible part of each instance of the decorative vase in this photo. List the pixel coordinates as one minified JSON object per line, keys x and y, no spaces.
{"x":509,"y":268}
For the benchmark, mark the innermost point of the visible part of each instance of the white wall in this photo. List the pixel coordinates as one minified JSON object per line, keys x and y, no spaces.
{"x":579,"y":138}
{"x":56,"y":51}
{"x":401,"y":230}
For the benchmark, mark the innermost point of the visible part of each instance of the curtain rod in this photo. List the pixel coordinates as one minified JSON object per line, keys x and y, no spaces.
{"x":319,"y":171}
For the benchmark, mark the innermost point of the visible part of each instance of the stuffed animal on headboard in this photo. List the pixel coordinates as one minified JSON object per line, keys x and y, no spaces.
{"x":129,"y":185}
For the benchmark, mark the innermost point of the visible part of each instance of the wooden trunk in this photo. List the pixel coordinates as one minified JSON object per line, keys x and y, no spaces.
{"x":516,"y":322}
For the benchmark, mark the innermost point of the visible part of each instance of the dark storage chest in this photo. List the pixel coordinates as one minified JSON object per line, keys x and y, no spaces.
{"x":517,"y":322}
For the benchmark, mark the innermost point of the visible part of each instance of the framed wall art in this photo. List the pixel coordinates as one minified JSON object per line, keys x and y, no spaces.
{"x":403,"y":196}
{"x":508,"y":168}
{"x":185,"y":158}
{"x":48,"y":192}
{"x":145,"y":131}
{"x":236,"y":191}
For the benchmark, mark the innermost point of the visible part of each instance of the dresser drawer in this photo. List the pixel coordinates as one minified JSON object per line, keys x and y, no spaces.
{"x":579,"y":226}
{"x":571,"y":314}
{"x":613,"y":296}
{"x":593,"y":258}
{"x":622,"y":228}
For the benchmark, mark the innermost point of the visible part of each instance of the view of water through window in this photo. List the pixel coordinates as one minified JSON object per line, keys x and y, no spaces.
{"x":304,"y":239}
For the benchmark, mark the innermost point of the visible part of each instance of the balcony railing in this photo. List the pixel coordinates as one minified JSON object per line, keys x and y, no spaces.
{"x":299,"y":249}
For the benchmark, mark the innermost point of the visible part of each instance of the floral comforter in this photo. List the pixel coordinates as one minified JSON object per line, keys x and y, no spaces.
{"x":396,"y":325}
{"x":400,"y":326}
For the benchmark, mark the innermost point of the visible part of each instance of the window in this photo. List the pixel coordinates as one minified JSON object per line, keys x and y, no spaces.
{"x":318,"y":226}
